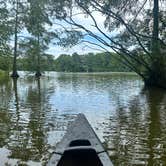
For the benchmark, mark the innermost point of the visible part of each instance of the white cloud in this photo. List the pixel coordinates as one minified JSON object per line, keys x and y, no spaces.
{"x":88,"y":23}
{"x":80,"y":49}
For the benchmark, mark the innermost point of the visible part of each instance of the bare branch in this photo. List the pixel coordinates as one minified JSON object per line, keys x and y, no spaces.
{"x":117,"y":17}
{"x":98,"y":45}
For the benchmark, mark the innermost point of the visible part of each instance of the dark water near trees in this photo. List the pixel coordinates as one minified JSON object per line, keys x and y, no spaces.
{"x":130,"y":120}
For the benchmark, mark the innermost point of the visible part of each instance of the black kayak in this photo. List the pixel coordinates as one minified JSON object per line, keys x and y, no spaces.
{"x":80,"y":147}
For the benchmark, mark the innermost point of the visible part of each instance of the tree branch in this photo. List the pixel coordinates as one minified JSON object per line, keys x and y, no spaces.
{"x":117,"y":17}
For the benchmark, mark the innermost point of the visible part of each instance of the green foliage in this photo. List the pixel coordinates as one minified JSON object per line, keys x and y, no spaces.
{"x":37,"y":19}
{"x":28,"y":63}
{"x":2,"y":73}
{"x":5,"y":28}
{"x":5,"y":63}
{"x":99,"y":62}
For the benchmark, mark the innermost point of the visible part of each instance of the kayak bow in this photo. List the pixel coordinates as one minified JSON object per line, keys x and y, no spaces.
{"x":80,"y":147}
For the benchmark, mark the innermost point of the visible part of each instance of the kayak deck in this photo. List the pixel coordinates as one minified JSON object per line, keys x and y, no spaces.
{"x":80,"y":147}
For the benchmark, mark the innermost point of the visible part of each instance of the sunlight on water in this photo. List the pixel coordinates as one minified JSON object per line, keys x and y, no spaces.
{"x":129,"y":119}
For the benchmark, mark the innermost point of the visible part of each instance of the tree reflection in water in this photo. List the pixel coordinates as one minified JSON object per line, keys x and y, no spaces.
{"x":5,"y":117}
{"x":22,"y":125}
{"x":136,"y":135}
{"x":22,"y":144}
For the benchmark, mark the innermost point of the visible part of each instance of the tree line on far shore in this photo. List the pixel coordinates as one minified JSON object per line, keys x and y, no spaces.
{"x":99,"y":62}
{"x":90,"y":62}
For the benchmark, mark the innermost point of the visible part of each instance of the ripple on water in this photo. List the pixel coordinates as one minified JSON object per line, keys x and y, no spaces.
{"x":129,"y":120}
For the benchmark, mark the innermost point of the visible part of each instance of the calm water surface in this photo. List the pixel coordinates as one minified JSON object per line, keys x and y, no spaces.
{"x":129,"y":119}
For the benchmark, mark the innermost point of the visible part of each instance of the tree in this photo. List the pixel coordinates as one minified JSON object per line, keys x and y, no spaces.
{"x":5,"y":33}
{"x":37,"y":19}
{"x":15,"y":74}
{"x":29,"y":60}
{"x":138,"y":45}
{"x":77,"y":67}
{"x":90,"y":62}
{"x":17,"y":9}
{"x":64,"y":63}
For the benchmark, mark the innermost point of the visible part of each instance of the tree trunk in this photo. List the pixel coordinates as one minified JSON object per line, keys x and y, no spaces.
{"x":14,"y":72}
{"x":38,"y":73}
{"x":155,"y":42}
{"x":157,"y":76}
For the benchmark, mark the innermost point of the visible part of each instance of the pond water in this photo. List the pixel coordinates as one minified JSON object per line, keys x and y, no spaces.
{"x":129,"y":119}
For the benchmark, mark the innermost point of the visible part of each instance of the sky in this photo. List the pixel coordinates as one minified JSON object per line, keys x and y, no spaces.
{"x":82,"y":48}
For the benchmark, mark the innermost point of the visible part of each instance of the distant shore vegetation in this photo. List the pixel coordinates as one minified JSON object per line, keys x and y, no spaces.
{"x":90,"y":62}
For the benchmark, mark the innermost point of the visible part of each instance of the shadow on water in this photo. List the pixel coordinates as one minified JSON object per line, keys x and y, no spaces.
{"x":136,"y":135}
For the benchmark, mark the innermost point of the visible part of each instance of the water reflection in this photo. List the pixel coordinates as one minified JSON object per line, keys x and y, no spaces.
{"x":34,"y":114}
{"x":156,"y":141}
{"x":136,"y":135}
{"x":24,"y":137}
{"x":21,"y":142}
{"x":5,"y":118}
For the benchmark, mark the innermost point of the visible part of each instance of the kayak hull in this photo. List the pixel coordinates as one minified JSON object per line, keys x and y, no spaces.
{"x":80,"y":147}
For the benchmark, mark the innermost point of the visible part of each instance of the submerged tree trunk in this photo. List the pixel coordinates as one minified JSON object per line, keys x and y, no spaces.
{"x":14,"y":72}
